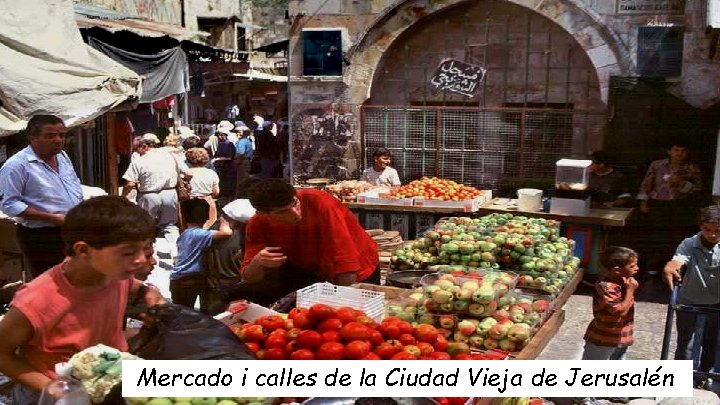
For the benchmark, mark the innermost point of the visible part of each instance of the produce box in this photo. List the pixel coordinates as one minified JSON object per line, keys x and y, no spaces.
{"x":466,"y":205}
{"x":370,"y":302}
{"x":382,"y":196}
{"x":242,"y":311}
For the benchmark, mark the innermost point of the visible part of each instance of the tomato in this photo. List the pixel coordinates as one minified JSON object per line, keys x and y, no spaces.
{"x":371,"y":356}
{"x":463,"y":356}
{"x":292,"y":333}
{"x":275,"y":353}
{"x":439,"y":356}
{"x":253,"y":333}
{"x":389,"y":329}
{"x":405,"y":327}
{"x":407,"y":339}
{"x":412,"y":349}
{"x":260,"y":354}
{"x":347,"y":314}
{"x":403,"y":356}
{"x":330,"y":324}
{"x":442,"y":401}
{"x":331,"y":336}
{"x":367,"y":321}
{"x":275,"y":341}
{"x":320,"y":312}
{"x":357,"y":349}
{"x":291,"y":346}
{"x":302,"y":321}
{"x":426,"y":333}
{"x":279,"y":332}
{"x":386,"y":350}
{"x":457,"y":400}
{"x":425,"y":348}
{"x":302,"y":354}
{"x":355,"y":331}
{"x":271,"y":322}
{"x":252,"y":347}
{"x":309,"y":339}
{"x":330,"y":351}
{"x":441,"y":344}
{"x":296,"y":311}
{"x":376,"y":337}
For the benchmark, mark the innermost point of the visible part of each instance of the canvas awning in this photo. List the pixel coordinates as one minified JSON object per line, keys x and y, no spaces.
{"x":46,"y":68}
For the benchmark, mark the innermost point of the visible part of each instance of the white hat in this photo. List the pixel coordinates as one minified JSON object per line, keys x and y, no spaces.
{"x":223,"y":130}
{"x":185,"y":132}
{"x":226,"y":125}
{"x":151,"y":137}
{"x":239,"y":210}
{"x":259,"y":120}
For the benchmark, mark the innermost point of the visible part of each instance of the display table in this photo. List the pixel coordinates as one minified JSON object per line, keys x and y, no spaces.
{"x":589,"y":231}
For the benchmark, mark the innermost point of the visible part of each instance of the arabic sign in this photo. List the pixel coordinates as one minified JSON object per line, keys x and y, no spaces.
{"x":458,"y":77}
{"x":650,"y":6}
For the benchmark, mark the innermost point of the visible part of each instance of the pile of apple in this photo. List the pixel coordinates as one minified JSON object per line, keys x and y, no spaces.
{"x":324,"y":333}
{"x":433,"y":188}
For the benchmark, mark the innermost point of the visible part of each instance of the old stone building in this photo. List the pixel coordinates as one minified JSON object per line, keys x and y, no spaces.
{"x":552,"y":78}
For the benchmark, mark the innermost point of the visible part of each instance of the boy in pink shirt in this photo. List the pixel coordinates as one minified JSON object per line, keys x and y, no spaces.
{"x":80,"y":302}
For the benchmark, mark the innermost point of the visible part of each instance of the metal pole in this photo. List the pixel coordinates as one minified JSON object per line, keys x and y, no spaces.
{"x":669,"y":324}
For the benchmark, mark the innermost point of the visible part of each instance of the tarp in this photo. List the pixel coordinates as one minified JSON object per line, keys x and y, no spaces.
{"x":46,"y":68}
{"x":166,"y":73}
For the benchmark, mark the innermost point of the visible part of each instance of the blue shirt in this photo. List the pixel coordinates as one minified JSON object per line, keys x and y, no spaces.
{"x":244,"y":147}
{"x":27,"y":181}
{"x":701,"y":281}
{"x":190,"y":246}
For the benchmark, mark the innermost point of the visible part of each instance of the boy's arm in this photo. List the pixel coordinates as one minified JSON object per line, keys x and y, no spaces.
{"x":628,"y":300}
{"x":224,"y":231}
{"x":16,"y":331}
{"x":671,"y":271}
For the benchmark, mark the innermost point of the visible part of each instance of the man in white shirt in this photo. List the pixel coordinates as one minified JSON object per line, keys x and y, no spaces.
{"x":155,"y":174}
{"x":381,"y":174}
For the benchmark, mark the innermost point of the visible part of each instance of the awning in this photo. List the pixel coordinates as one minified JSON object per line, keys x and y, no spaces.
{"x":46,"y":68}
{"x":274,"y":47}
{"x":253,"y":74}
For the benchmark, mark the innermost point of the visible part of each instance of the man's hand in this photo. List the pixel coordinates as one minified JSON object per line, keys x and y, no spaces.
{"x":631,"y":284}
{"x":270,"y":257}
{"x":58,"y":219}
{"x":671,"y":273}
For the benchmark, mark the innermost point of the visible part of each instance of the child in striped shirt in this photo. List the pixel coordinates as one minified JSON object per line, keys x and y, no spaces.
{"x":611,"y":330}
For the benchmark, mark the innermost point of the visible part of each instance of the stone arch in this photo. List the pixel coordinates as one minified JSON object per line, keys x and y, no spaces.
{"x":603,"y":48}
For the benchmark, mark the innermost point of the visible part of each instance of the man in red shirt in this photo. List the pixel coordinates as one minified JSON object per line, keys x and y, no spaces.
{"x":301,"y":237}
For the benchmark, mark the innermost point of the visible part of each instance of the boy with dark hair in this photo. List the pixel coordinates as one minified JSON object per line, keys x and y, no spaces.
{"x":700,"y":256}
{"x":380,"y":173}
{"x":297,"y":238}
{"x":608,"y":186}
{"x":611,"y":330}
{"x":187,"y":281}
{"x":80,"y":302}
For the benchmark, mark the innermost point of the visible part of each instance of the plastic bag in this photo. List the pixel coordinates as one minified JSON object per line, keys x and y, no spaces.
{"x":174,"y":332}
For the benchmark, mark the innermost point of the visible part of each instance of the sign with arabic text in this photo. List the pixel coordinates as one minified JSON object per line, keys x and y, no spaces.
{"x":650,"y":6}
{"x":459,"y":77}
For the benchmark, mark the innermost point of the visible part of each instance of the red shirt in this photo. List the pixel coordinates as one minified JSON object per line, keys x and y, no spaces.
{"x":67,"y":319}
{"x":328,"y":239}
{"x":609,"y":328}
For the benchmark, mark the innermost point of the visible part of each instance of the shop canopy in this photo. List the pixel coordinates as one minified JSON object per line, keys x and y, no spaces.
{"x":46,"y":68}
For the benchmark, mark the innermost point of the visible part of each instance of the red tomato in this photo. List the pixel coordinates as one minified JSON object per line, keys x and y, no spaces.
{"x":367,"y":321}
{"x":309,"y":339}
{"x":330,"y":351}
{"x":412,"y":349}
{"x":320,"y":312}
{"x":386,"y":350}
{"x":291,"y":346}
{"x":331,"y":336}
{"x":425,"y":348}
{"x":407,"y":339}
{"x":357,"y":349}
{"x":463,"y":356}
{"x":441,"y":344}
{"x":297,"y":311}
{"x":279,"y":332}
{"x":442,"y":401}
{"x":330,"y":324}
{"x":302,"y":321}
{"x":252,"y":347}
{"x":389,"y":329}
{"x":292,"y":333}
{"x":457,"y":400}
{"x":403,"y":356}
{"x":253,"y":333}
{"x":275,"y":353}
{"x":271,"y":322}
{"x":355,"y":331}
{"x":371,"y":356}
{"x":347,"y":314}
{"x":376,"y":337}
{"x":275,"y":341}
{"x":302,"y":354}
{"x":439,"y":356}
{"x":405,"y":327}
{"x":426,"y":333}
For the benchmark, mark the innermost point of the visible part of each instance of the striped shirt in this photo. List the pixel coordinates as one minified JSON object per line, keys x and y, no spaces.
{"x":608,"y":328}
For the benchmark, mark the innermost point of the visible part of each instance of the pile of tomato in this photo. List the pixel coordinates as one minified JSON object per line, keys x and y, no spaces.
{"x":433,"y":188}
{"x":324,"y":333}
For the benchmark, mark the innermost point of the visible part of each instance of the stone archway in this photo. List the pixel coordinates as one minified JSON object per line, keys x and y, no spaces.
{"x":602,"y":48}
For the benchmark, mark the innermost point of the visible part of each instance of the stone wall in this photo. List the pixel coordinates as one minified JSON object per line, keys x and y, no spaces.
{"x":608,"y":39}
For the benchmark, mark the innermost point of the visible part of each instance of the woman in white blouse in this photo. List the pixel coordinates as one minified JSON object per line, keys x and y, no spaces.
{"x":204,"y":183}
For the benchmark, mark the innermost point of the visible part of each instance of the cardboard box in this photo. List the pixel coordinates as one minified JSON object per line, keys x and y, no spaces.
{"x":243,"y":312}
{"x":465,"y":205}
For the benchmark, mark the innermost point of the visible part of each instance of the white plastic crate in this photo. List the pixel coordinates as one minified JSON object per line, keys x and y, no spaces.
{"x":370,"y":302}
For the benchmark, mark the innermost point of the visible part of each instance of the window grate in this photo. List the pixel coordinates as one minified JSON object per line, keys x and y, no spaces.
{"x":488,"y":148}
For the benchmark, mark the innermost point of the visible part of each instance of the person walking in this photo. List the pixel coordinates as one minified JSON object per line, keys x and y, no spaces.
{"x":38,"y":186}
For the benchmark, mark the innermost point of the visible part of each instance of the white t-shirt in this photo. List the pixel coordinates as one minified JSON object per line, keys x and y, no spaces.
{"x":154,"y":171}
{"x":387,"y":177}
{"x":203,"y":181}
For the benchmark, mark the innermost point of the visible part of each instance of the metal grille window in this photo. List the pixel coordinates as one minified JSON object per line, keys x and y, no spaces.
{"x":497,"y":149}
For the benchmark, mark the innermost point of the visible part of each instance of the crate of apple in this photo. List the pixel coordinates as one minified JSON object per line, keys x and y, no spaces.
{"x":325,"y":333}
{"x":433,"y":188}
{"x":474,"y":294}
